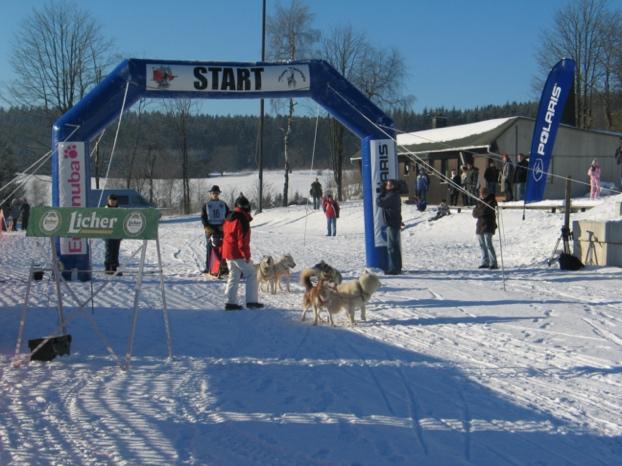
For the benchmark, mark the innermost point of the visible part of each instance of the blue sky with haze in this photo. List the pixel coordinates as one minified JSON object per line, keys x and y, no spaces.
{"x":458,"y":53}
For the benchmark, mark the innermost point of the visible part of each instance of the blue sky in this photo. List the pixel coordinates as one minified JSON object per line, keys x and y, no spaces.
{"x":458,"y":53}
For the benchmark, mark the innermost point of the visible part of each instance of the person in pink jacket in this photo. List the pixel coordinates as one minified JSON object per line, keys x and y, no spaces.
{"x":594,"y":174}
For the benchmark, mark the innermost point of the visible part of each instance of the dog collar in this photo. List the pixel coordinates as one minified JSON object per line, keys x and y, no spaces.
{"x":364,"y":295}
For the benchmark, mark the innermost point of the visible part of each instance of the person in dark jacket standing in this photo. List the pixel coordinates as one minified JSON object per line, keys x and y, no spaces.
{"x":486,"y":216}
{"x":237,"y":252}
{"x":618,"y":157}
{"x":491,"y":176}
{"x":213,"y":215}
{"x":111,"y":258}
{"x":316,"y":193}
{"x":16,"y":209}
{"x":391,"y":204}
{"x":507,"y":177}
{"x":520,"y":176}
{"x":464,"y":181}
{"x":25,"y":214}
{"x":472,"y":181}
{"x":454,"y":187}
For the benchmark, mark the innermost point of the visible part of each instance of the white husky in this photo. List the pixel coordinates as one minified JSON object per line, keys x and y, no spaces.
{"x":350,"y":295}
{"x":271,"y":272}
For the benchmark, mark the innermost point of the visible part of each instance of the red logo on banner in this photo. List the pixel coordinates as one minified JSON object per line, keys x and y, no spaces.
{"x":163,"y":76}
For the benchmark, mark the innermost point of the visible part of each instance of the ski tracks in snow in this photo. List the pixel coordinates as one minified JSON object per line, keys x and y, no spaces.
{"x":449,"y":367}
{"x":492,"y":352}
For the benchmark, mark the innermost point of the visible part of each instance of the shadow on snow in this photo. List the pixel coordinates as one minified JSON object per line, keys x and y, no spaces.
{"x":280,"y":391}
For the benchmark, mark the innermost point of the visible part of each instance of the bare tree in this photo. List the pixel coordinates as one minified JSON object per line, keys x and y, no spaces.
{"x":59,"y":53}
{"x":140,"y":109}
{"x":382,"y":76}
{"x":97,"y":160}
{"x":151,"y":158}
{"x":377,"y":73}
{"x":344,"y":49}
{"x":180,"y":110}
{"x":611,"y":64}
{"x":579,"y":32}
{"x":290,"y":37}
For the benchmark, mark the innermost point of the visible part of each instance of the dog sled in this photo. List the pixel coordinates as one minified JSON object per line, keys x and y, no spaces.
{"x":217,"y":266}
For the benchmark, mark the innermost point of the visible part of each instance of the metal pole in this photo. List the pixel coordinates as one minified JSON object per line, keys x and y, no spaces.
{"x":261,"y":108}
{"x":22,"y":320}
{"x":97,"y":166}
{"x":167,"y":325}
{"x":568,"y":207}
{"x":139,"y":284}
{"x":57,"y":278}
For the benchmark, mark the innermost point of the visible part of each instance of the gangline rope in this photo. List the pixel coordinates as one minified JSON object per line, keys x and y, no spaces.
{"x":317,"y":119}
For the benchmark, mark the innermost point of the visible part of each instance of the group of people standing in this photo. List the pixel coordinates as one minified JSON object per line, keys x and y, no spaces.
{"x":511,"y":178}
{"x":11,"y":214}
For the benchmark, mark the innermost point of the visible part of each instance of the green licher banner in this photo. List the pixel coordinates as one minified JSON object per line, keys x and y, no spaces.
{"x":104,"y":223}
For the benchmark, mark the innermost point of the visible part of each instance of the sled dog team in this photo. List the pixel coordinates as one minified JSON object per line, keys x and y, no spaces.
{"x":233,"y":232}
{"x":324,"y":287}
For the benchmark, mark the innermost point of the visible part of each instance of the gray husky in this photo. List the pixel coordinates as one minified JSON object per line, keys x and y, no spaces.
{"x":325,"y":275}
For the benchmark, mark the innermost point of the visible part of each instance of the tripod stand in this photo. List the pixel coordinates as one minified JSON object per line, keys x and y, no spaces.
{"x":565,"y":235}
{"x":590,"y":255}
{"x":565,"y":238}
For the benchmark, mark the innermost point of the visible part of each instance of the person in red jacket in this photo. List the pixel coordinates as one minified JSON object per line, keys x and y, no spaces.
{"x":331,"y":209}
{"x":236,"y":251}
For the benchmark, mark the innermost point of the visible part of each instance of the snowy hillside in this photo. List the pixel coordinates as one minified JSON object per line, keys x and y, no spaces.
{"x":451,"y":368}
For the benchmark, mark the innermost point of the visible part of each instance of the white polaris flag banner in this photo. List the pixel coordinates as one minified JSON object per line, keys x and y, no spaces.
{"x":383,"y":168}
{"x":227,"y":79}
{"x":71,"y":187}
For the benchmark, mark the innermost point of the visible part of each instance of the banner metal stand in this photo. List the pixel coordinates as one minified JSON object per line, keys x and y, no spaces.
{"x":39,"y":215}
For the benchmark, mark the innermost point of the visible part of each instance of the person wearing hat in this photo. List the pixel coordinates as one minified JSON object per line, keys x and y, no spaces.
{"x":237,"y":252}
{"x":213,"y":215}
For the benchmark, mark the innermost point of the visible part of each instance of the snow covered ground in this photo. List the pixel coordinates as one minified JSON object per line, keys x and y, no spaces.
{"x":451,"y":367}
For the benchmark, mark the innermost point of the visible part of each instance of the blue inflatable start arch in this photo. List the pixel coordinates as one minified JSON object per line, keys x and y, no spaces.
{"x":132,"y":79}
